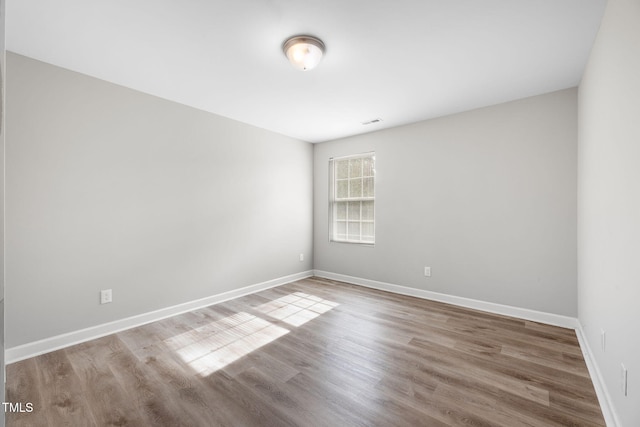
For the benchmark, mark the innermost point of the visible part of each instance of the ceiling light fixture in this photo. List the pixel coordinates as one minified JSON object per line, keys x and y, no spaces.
{"x":304,"y":52}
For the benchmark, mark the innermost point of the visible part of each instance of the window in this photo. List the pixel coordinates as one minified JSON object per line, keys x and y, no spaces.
{"x":352,"y":199}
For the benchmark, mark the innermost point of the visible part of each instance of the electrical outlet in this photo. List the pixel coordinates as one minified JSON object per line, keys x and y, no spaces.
{"x":623,"y":379}
{"x":301,"y":257}
{"x":427,"y":271}
{"x":603,"y":339}
{"x":106,"y":296}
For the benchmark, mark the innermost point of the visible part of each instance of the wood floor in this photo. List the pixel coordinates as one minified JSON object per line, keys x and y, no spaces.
{"x":314,"y":353}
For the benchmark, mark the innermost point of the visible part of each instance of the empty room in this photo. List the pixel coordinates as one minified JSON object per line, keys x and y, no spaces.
{"x":320,"y":213}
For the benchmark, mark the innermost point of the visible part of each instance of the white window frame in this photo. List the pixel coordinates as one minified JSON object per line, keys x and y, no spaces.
{"x":334,"y":202}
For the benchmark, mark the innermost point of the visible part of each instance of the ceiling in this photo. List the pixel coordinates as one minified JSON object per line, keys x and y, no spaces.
{"x":401,"y":61}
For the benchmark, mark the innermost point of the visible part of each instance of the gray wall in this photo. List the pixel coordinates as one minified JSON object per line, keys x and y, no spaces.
{"x":111,"y":188}
{"x":609,"y":203}
{"x":486,"y":198}
{"x":2,"y":91}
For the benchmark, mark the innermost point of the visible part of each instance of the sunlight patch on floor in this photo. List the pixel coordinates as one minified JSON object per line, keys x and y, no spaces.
{"x":296,"y":308}
{"x":229,"y":339}
{"x":221,"y":342}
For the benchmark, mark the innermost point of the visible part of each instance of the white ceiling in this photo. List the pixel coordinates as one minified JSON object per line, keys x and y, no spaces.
{"x":401,"y":61}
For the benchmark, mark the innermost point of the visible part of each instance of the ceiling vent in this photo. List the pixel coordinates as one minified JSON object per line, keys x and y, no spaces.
{"x":370,"y":122}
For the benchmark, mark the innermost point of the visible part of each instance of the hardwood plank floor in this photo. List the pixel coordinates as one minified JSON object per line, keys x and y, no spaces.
{"x":314,"y":352}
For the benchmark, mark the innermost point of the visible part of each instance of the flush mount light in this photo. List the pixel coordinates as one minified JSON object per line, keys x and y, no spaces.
{"x":304,"y":52}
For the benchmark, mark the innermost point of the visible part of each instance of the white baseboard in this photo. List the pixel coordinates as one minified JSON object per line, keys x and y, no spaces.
{"x":25,"y":351}
{"x":506,"y":310}
{"x":604,"y":398}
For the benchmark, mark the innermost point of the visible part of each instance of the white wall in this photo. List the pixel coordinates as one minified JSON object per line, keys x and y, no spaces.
{"x":609,"y":203}
{"x":487,"y":198}
{"x":111,"y":188}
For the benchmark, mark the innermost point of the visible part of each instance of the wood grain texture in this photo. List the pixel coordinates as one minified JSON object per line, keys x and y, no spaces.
{"x":315,"y":352}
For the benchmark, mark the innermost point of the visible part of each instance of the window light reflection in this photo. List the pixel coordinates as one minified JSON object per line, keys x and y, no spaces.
{"x":297,"y":308}
{"x":219,"y":343}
